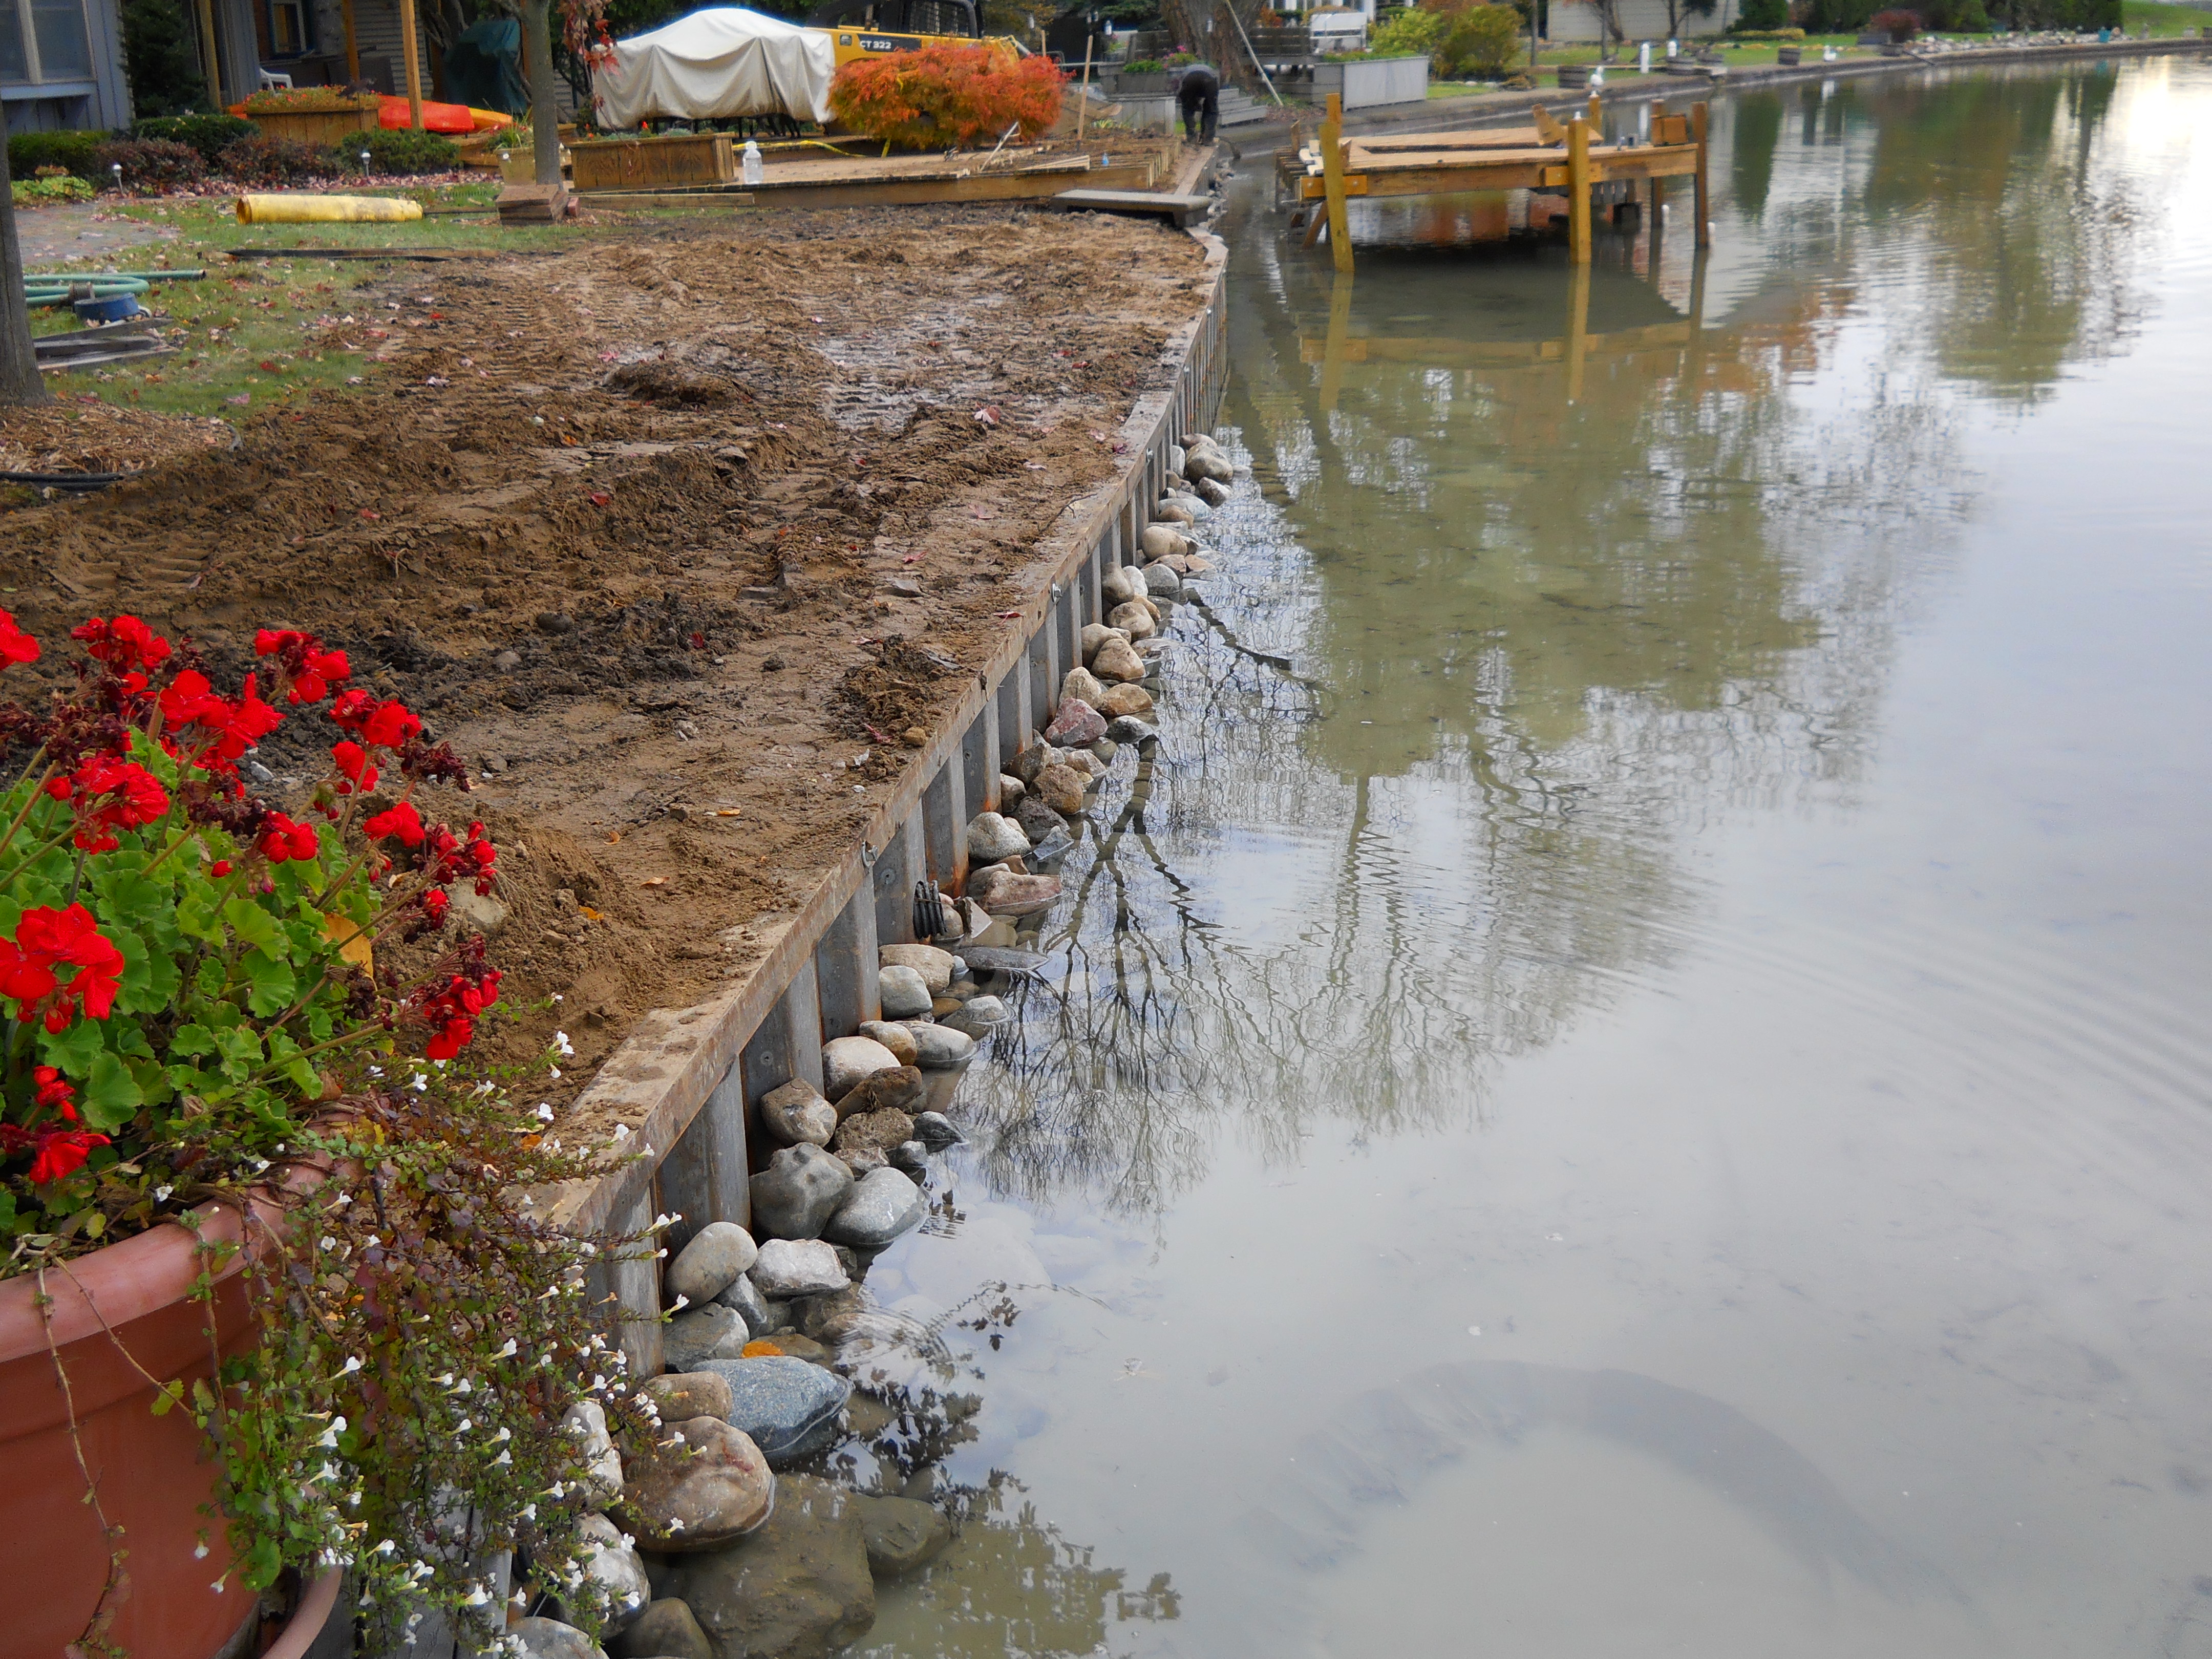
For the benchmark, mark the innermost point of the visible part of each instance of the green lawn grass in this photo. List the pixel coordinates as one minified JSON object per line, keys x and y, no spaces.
{"x":253,"y":326}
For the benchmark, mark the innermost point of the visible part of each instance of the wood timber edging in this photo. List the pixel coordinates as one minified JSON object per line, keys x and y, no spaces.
{"x":664,"y":1072}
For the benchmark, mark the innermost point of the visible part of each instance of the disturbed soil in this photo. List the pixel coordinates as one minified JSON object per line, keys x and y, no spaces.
{"x":624,"y":526}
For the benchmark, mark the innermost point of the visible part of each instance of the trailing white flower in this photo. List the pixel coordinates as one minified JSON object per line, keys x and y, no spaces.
{"x":545,"y":1112}
{"x":506,"y":1352}
{"x":503,"y":1459}
{"x":561,"y":1043}
{"x":352,"y":1364}
{"x":682,"y":1302}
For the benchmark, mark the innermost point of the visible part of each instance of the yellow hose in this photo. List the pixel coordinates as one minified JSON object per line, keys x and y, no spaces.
{"x":326,"y":209}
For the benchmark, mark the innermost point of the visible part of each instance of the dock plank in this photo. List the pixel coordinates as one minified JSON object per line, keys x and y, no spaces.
{"x":1183,"y":209}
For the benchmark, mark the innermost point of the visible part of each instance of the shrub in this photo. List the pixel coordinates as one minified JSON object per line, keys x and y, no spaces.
{"x":1480,"y":41}
{"x":947,"y":95}
{"x":1760,"y":16}
{"x":71,"y":151}
{"x":210,"y":135}
{"x":63,"y":187}
{"x":1181,"y":59}
{"x":1785,"y":37}
{"x":1144,"y":66}
{"x":150,"y":164}
{"x":1898,"y":24}
{"x":1410,"y":33}
{"x":265,"y":161}
{"x":398,"y":149}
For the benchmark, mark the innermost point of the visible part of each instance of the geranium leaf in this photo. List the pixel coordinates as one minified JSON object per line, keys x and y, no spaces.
{"x":270,"y":984}
{"x":111,"y":1096}
{"x":252,"y":924}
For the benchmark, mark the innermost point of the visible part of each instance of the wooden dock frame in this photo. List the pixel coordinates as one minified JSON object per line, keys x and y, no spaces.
{"x":1459,"y":164}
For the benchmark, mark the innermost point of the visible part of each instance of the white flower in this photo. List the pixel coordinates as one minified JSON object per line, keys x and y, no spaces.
{"x":421,"y":1083}
{"x":621,"y":1133}
{"x":162,"y":1194}
{"x":352,"y":1364}
{"x":477,"y":1597}
{"x":465,"y":1387}
{"x":676,"y":1523}
{"x":545,"y":1112}
{"x":376,"y":1071}
{"x":199,"y":1552}
{"x":386,"y":1548}
{"x":553,"y":1071}
{"x":555,"y":1142}
{"x":504,"y":1434}
{"x":682,"y":1303}
{"x":504,"y":1457}
{"x":529,"y":1511}
{"x":341,"y":1200}
{"x":561,"y":1041}
{"x":506,"y":1352}
{"x":558,"y":997}
{"x":557,"y":1490}
{"x":465,"y":1425}
{"x":327,"y":1242}
{"x":218,"y":1586}
{"x":444,"y":1379}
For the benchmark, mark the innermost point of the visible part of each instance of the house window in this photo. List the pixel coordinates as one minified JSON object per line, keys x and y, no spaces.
{"x":43,"y":40}
{"x":288,"y":29}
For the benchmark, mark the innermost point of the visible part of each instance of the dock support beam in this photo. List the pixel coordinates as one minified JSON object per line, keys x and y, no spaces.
{"x":1331,"y":172}
{"x":1578,"y":192}
{"x":1697,"y":118}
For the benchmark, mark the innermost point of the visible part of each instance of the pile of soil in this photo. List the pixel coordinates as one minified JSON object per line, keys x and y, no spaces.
{"x":628,"y":527}
{"x":86,"y":435}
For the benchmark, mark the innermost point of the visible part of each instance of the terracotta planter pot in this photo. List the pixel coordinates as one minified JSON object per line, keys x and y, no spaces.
{"x":127,"y":1303}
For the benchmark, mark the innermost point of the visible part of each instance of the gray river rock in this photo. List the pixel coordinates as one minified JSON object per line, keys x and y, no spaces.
{"x":715,"y":1259}
{"x":992,"y":836}
{"x":800,"y":1190}
{"x":697,"y":1492}
{"x":847,"y":1060}
{"x":936,"y":1131}
{"x":795,"y":1112}
{"x":614,"y":1562}
{"x":664,"y":1629}
{"x":883,"y":1205}
{"x":743,"y":1298}
{"x":679,"y":1394}
{"x":941,"y":1048}
{"x":548,"y":1638}
{"x":902,"y":1535}
{"x":714,"y":1331}
{"x":789,"y":1268}
{"x":903,"y":992}
{"x":781,"y":1402}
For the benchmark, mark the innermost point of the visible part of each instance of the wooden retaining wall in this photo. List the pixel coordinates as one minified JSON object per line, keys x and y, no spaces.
{"x":688,"y":1079}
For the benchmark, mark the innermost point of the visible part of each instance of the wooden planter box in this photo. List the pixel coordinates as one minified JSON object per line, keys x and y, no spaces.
{"x":1365,"y":83}
{"x":1141,"y":86}
{"x":316,"y":126}
{"x":689,"y":158}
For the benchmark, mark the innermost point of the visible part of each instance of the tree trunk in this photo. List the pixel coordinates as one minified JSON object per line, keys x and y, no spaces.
{"x":20,"y":380}
{"x":544,"y":101}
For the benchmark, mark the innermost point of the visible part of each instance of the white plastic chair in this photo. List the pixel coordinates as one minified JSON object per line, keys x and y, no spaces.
{"x":272,"y":82}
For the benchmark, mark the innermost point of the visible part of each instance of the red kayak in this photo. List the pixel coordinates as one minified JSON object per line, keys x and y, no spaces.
{"x":436,"y":118}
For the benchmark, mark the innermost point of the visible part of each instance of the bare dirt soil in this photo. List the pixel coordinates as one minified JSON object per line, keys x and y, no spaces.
{"x":623,"y":524}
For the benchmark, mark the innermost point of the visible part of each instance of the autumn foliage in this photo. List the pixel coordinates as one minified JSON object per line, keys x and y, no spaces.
{"x":947,"y":95}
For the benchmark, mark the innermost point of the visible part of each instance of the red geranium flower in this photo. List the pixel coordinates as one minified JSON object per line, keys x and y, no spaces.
{"x":46,"y":939}
{"x":136,"y":798}
{"x":61,"y":1152}
{"x":281,"y":839}
{"x":402,"y":821}
{"x":15,"y":646}
{"x":353,"y":766}
{"x":309,"y":667}
{"x":123,"y":643}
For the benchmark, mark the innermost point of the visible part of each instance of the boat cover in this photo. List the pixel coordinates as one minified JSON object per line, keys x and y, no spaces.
{"x":721,"y":62}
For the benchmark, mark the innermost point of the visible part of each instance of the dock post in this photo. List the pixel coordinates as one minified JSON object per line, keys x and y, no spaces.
{"x":1332,"y":171}
{"x":1597,"y":116}
{"x":1578,"y":193}
{"x":1579,"y":290}
{"x":1698,"y":113}
{"x":1332,"y":352}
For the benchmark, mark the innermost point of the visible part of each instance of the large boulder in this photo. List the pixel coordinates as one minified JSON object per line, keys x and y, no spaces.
{"x":1003,"y":893}
{"x":679,"y":1395}
{"x":1075,"y":721}
{"x":696,"y":1491}
{"x":716,"y":1331}
{"x":717,"y":1255}
{"x":665,"y":1630}
{"x":548,"y":1638}
{"x":899,"y":1089}
{"x":790,"y":1268}
{"x":797,"y":1588}
{"x":800,"y":1190}
{"x":610,"y":1558}
{"x":1093,"y":640}
{"x":781,"y":1403}
{"x":1117,"y":660}
{"x":795,"y":1114}
{"x":902,"y":1535}
{"x":883,"y":1205}
{"x":847,"y":1060}
{"x":902,"y":992}
{"x":991,"y":837}
{"x":586,"y":1423}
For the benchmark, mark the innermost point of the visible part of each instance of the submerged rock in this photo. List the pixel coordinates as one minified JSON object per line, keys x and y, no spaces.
{"x":707,"y":1266}
{"x":913,"y":1157}
{"x":1056,"y":845}
{"x":791,"y":1267}
{"x":1127,"y":728}
{"x":780,"y":1402}
{"x":902,"y":992}
{"x":934,"y":1130}
{"x":712,"y":1488}
{"x":800,"y":1189}
{"x":795,"y":1589}
{"x":884,"y":1206}
{"x":664,"y":1629}
{"x":901,"y":1534}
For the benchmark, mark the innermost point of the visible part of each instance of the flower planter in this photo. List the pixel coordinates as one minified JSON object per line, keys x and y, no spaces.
{"x":1141,"y":86}
{"x":1573,"y":77}
{"x":1789,"y":56}
{"x":129,"y":1302}
{"x":314,"y":126}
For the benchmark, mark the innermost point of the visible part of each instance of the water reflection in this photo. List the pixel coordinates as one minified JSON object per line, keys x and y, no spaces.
{"x":1544,"y":591}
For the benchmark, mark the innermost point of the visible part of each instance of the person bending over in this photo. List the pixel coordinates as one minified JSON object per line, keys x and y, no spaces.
{"x":1198,"y":91}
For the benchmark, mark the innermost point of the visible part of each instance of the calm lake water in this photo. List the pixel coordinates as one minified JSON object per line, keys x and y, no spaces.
{"x":1640,"y":1084}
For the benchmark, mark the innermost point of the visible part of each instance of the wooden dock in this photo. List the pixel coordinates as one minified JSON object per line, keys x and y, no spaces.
{"x":1549,"y":157}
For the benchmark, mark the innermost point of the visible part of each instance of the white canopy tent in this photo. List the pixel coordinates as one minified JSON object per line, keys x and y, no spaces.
{"x":725,"y":61}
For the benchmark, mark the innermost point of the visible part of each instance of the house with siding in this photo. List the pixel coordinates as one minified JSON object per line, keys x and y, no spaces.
{"x":1640,"y":19}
